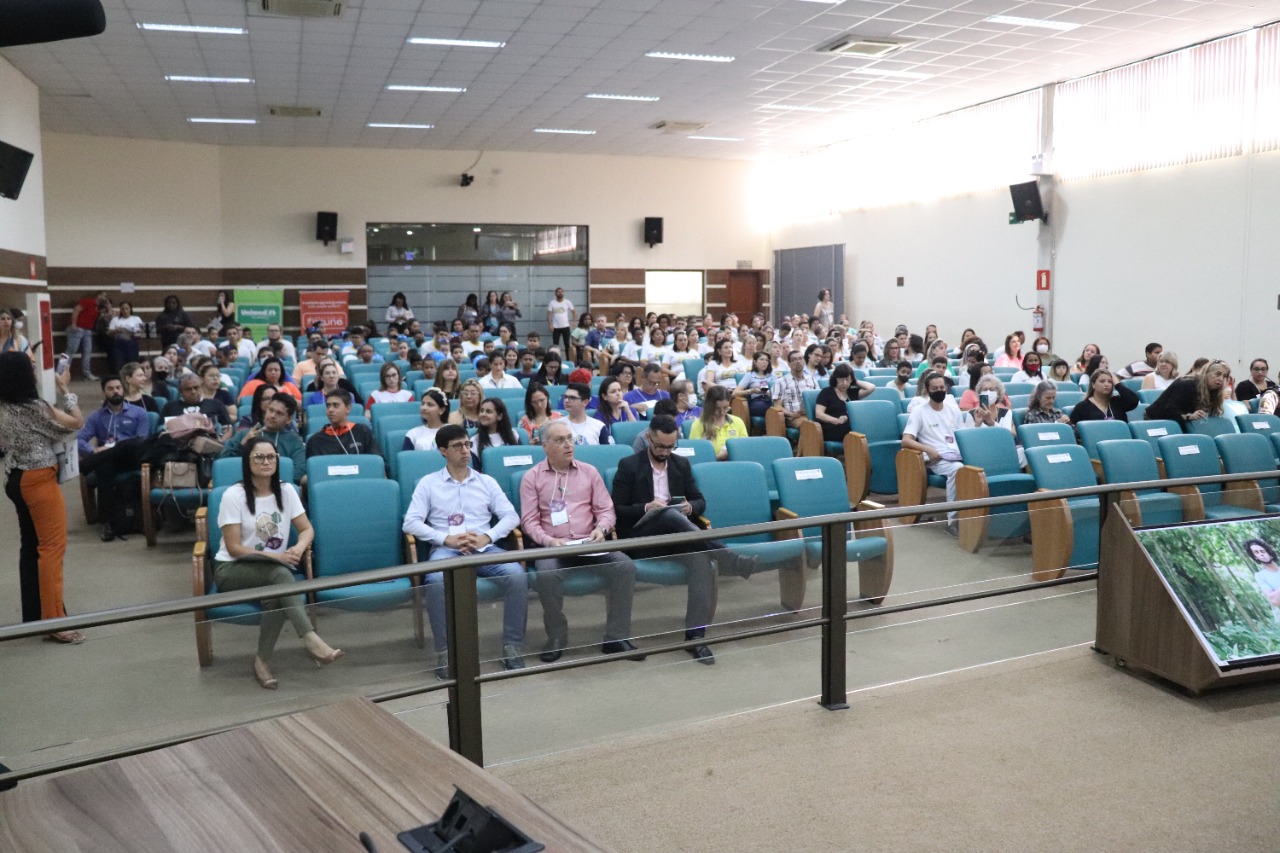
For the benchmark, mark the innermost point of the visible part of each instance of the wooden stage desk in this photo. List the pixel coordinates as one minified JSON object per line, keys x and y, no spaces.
{"x":306,"y":782}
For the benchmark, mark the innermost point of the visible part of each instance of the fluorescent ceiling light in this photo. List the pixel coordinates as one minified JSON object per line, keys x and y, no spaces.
{"x":405,"y":126}
{"x":1031,"y":22}
{"x":223,"y":120}
{"x":796,"y":108}
{"x":879,"y":72}
{"x":458,"y":42}
{"x":404,"y":88}
{"x":185,"y":28}
{"x":697,"y":57}
{"x":623,"y":97}
{"x":180,"y":78}
{"x":562,"y":130}
{"x":720,"y":138}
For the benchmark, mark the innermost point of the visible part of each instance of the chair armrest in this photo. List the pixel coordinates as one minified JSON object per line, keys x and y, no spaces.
{"x":1192,"y":502}
{"x":857,"y":466}
{"x":775,"y":422}
{"x":784,"y":514}
{"x":198,"y":552}
{"x":1097,"y":470}
{"x":913,"y":480}
{"x":1245,"y":493}
{"x":1129,"y":506}
{"x":410,"y":548}
{"x":738,"y":406}
{"x":202,"y":524}
{"x":810,"y":443}
{"x":971,"y":484}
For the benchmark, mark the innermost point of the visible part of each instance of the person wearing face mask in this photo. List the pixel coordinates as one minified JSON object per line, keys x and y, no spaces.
{"x":931,"y":430}
{"x":1031,"y":369}
{"x":1042,"y":347}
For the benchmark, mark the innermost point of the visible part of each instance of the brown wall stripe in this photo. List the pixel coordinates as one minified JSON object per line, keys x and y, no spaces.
{"x":18,"y":265}
{"x":616,"y":276}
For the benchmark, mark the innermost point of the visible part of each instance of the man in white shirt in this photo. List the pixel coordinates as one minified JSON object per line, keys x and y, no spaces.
{"x":471,"y":341}
{"x":497,"y":377}
{"x":585,"y":430}
{"x":455,"y":510}
{"x":560,"y":314}
{"x":274,"y":334}
{"x":197,"y":344}
{"x":931,"y":429}
{"x":243,"y":347}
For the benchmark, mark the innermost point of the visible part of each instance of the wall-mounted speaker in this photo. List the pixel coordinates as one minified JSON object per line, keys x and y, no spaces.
{"x":14,"y":163}
{"x":326,"y":226}
{"x":40,"y":21}
{"x":1026,"y":202}
{"x":653,"y":230}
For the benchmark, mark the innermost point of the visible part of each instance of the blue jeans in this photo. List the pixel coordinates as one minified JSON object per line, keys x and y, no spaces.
{"x":80,"y":340}
{"x":515,"y":600}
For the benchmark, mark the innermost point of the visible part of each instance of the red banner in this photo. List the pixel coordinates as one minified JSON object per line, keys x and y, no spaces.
{"x":328,"y":307}
{"x":46,"y":335}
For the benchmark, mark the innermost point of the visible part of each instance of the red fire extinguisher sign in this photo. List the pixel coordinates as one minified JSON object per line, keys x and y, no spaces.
{"x":1042,"y":279}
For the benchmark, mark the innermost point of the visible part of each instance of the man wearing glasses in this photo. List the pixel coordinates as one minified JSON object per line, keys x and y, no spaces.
{"x":654,"y":493}
{"x":454,"y":510}
{"x":563,"y":502}
{"x":585,"y":430}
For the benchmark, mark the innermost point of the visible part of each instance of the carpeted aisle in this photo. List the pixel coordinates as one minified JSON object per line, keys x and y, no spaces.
{"x":1055,"y":752}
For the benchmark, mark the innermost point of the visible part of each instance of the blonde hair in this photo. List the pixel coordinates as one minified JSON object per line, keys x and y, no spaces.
{"x":1170,"y":358}
{"x":1210,"y":400}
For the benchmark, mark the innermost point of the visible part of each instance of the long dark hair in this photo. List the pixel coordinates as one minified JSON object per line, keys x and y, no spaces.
{"x":541,"y":376}
{"x":535,"y":387}
{"x":255,"y":411}
{"x":262,"y":371}
{"x":502,"y":427}
{"x":246,"y":475}
{"x":17,"y":379}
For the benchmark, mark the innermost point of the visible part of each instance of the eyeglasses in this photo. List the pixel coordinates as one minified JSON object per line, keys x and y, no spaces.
{"x":573,"y":399}
{"x":264,"y":458}
{"x":458,"y":445}
{"x":656,"y":446}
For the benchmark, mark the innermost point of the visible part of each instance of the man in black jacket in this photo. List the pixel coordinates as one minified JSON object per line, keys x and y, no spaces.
{"x":657,"y":481}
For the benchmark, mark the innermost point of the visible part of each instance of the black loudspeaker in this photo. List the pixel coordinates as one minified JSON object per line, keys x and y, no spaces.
{"x":1026,"y":201}
{"x":14,"y":163}
{"x":326,"y":226}
{"x":39,"y":21}
{"x":653,"y":230}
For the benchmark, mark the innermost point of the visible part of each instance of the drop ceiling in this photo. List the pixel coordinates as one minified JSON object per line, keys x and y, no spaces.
{"x":779,"y":95}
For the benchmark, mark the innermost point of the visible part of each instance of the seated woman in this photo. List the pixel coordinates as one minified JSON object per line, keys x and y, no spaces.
{"x":447,"y":380}
{"x":537,"y":411}
{"x":1041,"y":408}
{"x":754,"y":385}
{"x":495,"y":428}
{"x":1256,"y":385}
{"x":625,"y":372}
{"x":1166,"y":371}
{"x":551,"y":372}
{"x":993,"y":406}
{"x":969,"y":400}
{"x":272,"y":373}
{"x":673,"y":361}
{"x":261,"y":396}
{"x":1096,"y":363}
{"x":328,"y":379}
{"x":434,"y":410}
{"x":1108,"y":400}
{"x":891,"y":350}
{"x":717,"y":424}
{"x":1030,"y":371}
{"x":467,"y":415}
{"x":720,"y":369}
{"x":831,"y":408}
{"x":254,"y":518}
{"x":1012,"y":355}
{"x":1192,"y":398}
{"x":938,"y":349}
{"x":1059,"y":371}
{"x":134,"y":378}
{"x":1042,"y":347}
{"x":1089,"y":351}
{"x":389,"y":390}
{"x":687,"y":408}
{"x":610,"y":407}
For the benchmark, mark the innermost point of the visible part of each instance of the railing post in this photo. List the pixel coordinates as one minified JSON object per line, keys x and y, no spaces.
{"x":834,"y":604}
{"x":466,"y":733}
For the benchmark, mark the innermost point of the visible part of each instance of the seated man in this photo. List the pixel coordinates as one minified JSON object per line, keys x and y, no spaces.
{"x":585,"y":430}
{"x":190,"y":403}
{"x":563,"y":502}
{"x":643,"y":396}
{"x":341,"y":437}
{"x":453,"y":509}
{"x":276,"y":427}
{"x":243,"y":347}
{"x":528,"y":366}
{"x":596,"y":339}
{"x":112,"y":442}
{"x":931,"y":429}
{"x":367,"y":355}
{"x":655,"y":478}
{"x":788,"y":391}
{"x":1142,"y":368}
{"x":497,"y":377}
{"x":275,"y":335}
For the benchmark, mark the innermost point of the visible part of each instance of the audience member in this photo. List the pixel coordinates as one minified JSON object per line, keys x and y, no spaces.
{"x":716,"y":423}
{"x":111,"y":443}
{"x":341,"y":436}
{"x":434,"y":409}
{"x":1108,"y":400}
{"x":277,"y":427}
{"x":537,"y":411}
{"x":1193,"y":398}
{"x":585,"y":430}
{"x":1142,"y":368}
{"x":468,"y":412}
{"x":931,"y":430}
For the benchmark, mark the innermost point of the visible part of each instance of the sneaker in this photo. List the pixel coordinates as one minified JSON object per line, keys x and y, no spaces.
{"x":953,"y":528}
{"x":107,"y":534}
{"x":512,"y":657}
{"x":442,"y":666}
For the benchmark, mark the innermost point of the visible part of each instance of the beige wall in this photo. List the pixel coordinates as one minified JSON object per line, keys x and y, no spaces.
{"x":129,"y":203}
{"x":22,"y":221}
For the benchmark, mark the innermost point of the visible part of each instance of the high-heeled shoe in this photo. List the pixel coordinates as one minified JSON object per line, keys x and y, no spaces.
{"x":264,"y":676}
{"x":66,"y":638}
{"x":321,"y":660}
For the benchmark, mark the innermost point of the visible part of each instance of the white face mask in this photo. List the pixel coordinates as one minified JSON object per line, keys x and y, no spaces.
{"x":1042,"y":348}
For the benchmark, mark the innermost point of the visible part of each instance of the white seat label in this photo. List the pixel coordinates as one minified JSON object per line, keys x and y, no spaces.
{"x":683,"y":451}
{"x":1055,"y":458}
{"x":512,"y":461}
{"x":1158,"y":431}
{"x":1188,"y":450}
{"x":344,"y":470}
{"x":1261,"y":425}
{"x":1049,"y":436}
{"x":809,"y":474}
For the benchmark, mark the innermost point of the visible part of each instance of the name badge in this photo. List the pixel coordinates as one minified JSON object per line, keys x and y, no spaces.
{"x":457,"y":524}
{"x":559,"y":513}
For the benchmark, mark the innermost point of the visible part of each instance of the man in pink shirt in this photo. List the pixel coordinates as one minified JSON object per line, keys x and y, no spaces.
{"x":564,"y":502}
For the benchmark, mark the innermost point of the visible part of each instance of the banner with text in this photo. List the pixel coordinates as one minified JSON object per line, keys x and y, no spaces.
{"x":259,"y":308}
{"x":327,"y":307}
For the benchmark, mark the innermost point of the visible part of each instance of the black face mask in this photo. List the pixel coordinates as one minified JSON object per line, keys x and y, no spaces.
{"x":937,"y":396}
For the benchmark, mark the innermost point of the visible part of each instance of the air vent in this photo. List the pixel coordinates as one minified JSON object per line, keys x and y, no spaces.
{"x":678,"y":126}
{"x":301,"y":8}
{"x":295,"y":112}
{"x":863,"y":46}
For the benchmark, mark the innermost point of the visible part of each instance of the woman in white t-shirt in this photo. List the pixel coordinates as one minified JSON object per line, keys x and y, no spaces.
{"x":435,"y":411}
{"x":673,"y":360}
{"x":390,"y":390}
{"x":720,"y":369}
{"x":124,"y":331}
{"x":254,"y":518}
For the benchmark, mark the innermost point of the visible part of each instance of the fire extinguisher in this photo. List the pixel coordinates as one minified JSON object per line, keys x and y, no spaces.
{"x":1037,"y":319}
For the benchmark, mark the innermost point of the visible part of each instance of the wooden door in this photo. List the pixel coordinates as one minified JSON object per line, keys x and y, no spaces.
{"x":743,"y":296}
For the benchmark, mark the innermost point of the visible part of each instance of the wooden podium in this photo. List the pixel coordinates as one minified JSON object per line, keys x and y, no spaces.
{"x":306,"y":782}
{"x":1141,"y":625}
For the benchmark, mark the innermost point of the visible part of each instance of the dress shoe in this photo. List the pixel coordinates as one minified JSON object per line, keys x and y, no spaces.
{"x":746,"y":564}
{"x":702,"y":654}
{"x":613,"y":647}
{"x":263,"y":675}
{"x":553,"y":649}
{"x":107,"y":533}
{"x":442,"y":666}
{"x":512,"y":657}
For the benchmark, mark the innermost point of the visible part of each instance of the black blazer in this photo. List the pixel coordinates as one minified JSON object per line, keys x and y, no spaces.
{"x":633,"y":488}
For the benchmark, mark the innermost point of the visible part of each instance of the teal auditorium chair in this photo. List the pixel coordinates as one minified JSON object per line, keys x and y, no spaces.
{"x":1260,"y":423}
{"x":154,"y":498}
{"x":696,"y":450}
{"x":1213,"y":426}
{"x":1132,"y":460}
{"x":991,"y":469}
{"x":412,"y":466}
{"x":314,"y":425}
{"x":625,"y":432}
{"x":914,"y":481}
{"x":1250,"y":454}
{"x":1045,"y":435}
{"x":381,"y":411}
{"x":1151,"y":432}
{"x":736,"y":493}
{"x":391,"y":447}
{"x":875,"y":438}
{"x":763,"y":449}
{"x":810,"y":441}
{"x":575,"y":582}
{"x":227,"y":471}
{"x":512,"y":398}
{"x":1064,"y":531}
{"x":382,"y":429}
{"x":357,"y":524}
{"x":353,"y":466}
{"x":602,"y":457}
{"x":809,"y":487}
{"x":503,"y":463}
{"x":1068,"y":397}
{"x":1197,"y":456}
{"x":209,"y":540}
{"x":1093,"y":432}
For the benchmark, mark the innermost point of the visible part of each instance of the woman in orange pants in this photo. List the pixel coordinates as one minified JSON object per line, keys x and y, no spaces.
{"x":29,"y":427}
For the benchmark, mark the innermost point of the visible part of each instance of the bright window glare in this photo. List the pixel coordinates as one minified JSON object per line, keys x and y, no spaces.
{"x":673,"y":291}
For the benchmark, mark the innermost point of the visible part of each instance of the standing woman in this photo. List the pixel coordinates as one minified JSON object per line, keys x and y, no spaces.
{"x":171,"y":321}
{"x":389,"y":390}
{"x":825,"y":311}
{"x":434,"y":409}
{"x":254,"y":518}
{"x":468,"y":414}
{"x":508,"y":311}
{"x":490,"y":316}
{"x":446,"y":381}
{"x":10,"y":340}
{"x":124,"y":331}
{"x":399,"y":311}
{"x":224,"y":310}
{"x":28,"y":429}
{"x":716,"y":423}
{"x":469,"y":311}
{"x":537,"y":411}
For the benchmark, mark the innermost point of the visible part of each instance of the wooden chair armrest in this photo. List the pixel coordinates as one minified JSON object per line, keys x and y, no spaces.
{"x":198,"y":552}
{"x":857,"y":466}
{"x":971,"y":484}
{"x":1097,"y":470}
{"x":1129,"y":506}
{"x":913,"y":480}
{"x":1245,"y":494}
{"x":810,"y":443}
{"x":1192,"y":502}
{"x":784,"y":514}
{"x":410,"y":548}
{"x":775,"y":422}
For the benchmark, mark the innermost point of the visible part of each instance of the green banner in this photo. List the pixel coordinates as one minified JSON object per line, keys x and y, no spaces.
{"x":259,"y":308}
